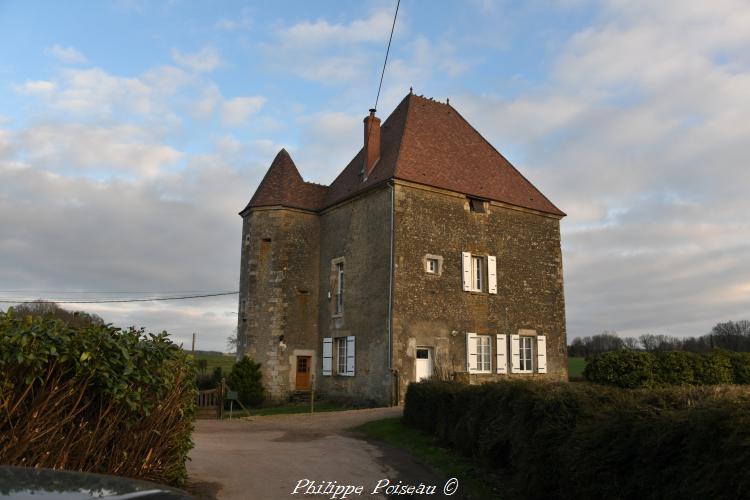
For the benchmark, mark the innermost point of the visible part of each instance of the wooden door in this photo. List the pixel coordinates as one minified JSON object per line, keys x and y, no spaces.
{"x":303,"y":373}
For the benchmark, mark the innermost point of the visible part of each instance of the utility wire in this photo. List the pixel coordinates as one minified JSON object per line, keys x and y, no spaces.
{"x":118,"y":292}
{"x":151,"y":299}
{"x":387,"y":51}
{"x":380,"y":86}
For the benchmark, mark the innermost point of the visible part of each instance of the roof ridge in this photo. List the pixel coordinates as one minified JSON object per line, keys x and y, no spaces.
{"x":403,"y":132}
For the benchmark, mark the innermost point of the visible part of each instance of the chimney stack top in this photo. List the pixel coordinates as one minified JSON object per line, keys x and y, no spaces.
{"x":372,"y":143}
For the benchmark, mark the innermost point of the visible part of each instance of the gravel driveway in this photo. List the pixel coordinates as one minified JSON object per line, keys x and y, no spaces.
{"x":267,"y":457}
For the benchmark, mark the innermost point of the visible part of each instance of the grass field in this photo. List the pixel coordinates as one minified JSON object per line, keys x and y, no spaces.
{"x":213,"y":360}
{"x":473,"y":479}
{"x":576,"y":366}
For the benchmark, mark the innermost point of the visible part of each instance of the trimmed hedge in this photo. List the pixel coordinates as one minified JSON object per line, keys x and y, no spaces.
{"x":557,"y":440}
{"x":94,"y":398}
{"x":639,"y":369}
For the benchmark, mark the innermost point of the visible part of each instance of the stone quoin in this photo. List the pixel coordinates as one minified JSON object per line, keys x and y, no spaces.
{"x":429,"y":255}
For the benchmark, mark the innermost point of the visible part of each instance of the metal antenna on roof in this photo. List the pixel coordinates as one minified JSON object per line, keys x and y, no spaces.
{"x":382,"y":73}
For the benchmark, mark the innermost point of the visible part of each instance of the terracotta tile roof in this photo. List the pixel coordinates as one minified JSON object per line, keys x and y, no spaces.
{"x":283,"y":185}
{"x":422,"y":141}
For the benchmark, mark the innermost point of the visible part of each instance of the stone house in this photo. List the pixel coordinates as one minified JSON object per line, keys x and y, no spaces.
{"x":429,"y":255}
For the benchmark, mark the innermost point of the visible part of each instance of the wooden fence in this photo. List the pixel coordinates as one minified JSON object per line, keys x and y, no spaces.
{"x":210,"y":403}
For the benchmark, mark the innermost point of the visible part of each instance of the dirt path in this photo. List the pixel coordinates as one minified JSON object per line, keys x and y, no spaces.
{"x":267,"y":457}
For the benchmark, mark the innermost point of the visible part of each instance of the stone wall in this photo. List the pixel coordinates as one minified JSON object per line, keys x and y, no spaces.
{"x":359,"y":232}
{"x":279,"y":292}
{"x":433,"y":310}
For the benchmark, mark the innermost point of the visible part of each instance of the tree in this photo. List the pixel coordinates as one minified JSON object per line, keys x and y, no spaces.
{"x":245,"y":378}
{"x":596,"y":344}
{"x":232,"y":341}
{"x":733,"y":336}
{"x":631,"y":343}
{"x":50,"y":310}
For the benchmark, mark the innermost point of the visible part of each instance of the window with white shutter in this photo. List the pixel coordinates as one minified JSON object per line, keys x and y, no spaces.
{"x":349,"y":356}
{"x":471,"y":352}
{"x":526,"y":354}
{"x":501,"y":359}
{"x":466,"y":270}
{"x":327,"y":356}
{"x":515,"y":354}
{"x":541,"y":354}
{"x":478,"y":353}
{"x":491,"y":274}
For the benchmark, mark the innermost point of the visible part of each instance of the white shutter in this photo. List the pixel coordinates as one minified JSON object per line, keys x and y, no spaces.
{"x":492,"y":274}
{"x":327,"y":355}
{"x":471,"y":352}
{"x":541,"y":354}
{"x":350,"y":356}
{"x":466,"y":269}
{"x":502,"y":354}
{"x":515,"y":354}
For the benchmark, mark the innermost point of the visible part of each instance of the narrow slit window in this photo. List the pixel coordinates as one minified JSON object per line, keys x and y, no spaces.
{"x":477,"y":269}
{"x":340,"y":288}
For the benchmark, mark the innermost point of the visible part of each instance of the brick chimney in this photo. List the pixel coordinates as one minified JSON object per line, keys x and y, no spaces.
{"x":372,"y":142}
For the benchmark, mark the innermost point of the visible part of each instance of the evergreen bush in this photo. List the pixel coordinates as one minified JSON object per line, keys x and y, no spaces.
{"x":245,"y":378}
{"x":639,"y":369}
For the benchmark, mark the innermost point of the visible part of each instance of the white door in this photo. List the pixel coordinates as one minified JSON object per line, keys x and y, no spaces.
{"x":424,"y":363}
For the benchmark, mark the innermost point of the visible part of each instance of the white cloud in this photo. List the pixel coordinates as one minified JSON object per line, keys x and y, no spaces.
{"x":65,"y":54}
{"x":236,"y":111}
{"x":332,"y":53}
{"x":77,"y":149}
{"x":305,"y":34}
{"x":205,"y":60}
{"x":39,"y":87}
{"x":243,"y":23}
{"x":205,"y":103}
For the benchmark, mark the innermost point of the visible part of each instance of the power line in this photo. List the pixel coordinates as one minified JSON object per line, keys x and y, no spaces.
{"x":387,"y":51}
{"x":121,"y":292}
{"x":380,"y":86}
{"x":151,"y":299}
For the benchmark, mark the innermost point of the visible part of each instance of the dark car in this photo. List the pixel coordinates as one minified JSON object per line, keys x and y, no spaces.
{"x":43,"y":484}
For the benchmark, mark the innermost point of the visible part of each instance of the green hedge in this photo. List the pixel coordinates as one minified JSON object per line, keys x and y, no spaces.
{"x":638,"y":369}
{"x":94,"y":398}
{"x":587,"y":441}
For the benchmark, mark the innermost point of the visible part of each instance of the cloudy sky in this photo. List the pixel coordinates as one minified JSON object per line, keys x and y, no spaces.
{"x":131,"y":134}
